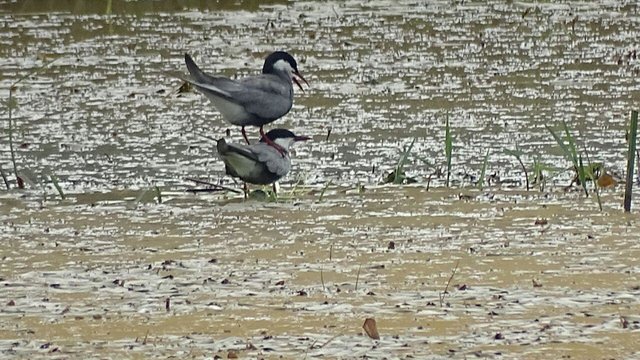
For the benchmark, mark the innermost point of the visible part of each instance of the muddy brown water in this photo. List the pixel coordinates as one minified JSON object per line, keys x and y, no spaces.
{"x":538,"y":274}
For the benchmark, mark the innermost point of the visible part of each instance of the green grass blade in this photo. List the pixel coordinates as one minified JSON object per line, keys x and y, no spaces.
{"x":400,"y":177}
{"x":571,"y":141}
{"x":484,"y":170}
{"x":56,"y":184}
{"x":448,"y":147}
{"x":324,"y":189}
{"x":4,"y":178}
{"x":513,"y":153}
{"x":517,"y":153}
{"x":565,"y":150}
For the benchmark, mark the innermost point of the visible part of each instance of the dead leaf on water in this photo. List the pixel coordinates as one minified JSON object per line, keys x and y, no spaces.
{"x":371,"y":329}
{"x":624,"y":322}
{"x":185,"y":87}
{"x":606,"y":181}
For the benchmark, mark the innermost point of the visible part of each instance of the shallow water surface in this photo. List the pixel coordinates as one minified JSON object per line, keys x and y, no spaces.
{"x":114,"y":272}
{"x":284,"y":279}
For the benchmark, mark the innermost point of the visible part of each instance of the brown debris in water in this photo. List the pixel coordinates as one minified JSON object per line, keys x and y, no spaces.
{"x":624,"y":322}
{"x":606,"y":181}
{"x":185,"y":87}
{"x":371,"y":329}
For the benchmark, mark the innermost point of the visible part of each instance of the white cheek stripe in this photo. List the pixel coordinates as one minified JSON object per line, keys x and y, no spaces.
{"x":283,"y":66}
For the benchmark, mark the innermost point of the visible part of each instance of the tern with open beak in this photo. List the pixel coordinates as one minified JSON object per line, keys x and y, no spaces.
{"x":254,"y":100}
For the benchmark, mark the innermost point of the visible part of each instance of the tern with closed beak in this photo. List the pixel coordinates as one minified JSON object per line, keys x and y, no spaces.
{"x":259,"y":163}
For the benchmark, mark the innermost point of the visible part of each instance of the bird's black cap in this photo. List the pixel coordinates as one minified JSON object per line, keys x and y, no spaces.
{"x":267,"y":68}
{"x":283,"y":134}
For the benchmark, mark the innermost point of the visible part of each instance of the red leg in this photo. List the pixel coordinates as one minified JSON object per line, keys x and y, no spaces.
{"x":280,"y":149}
{"x":244,"y":134}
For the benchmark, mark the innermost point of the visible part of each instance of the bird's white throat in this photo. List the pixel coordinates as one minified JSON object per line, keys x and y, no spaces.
{"x":284,"y":66}
{"x":284,"y":142}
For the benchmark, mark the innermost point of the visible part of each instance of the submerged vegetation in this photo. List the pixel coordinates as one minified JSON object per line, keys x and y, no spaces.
{"x":398,"y":175}
{"x":585,"y":170}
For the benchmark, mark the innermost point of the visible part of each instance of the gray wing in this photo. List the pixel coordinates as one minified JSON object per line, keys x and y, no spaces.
{"x":272,"y":159}
{"x":266,"y":96}
{"x":225,"y":148}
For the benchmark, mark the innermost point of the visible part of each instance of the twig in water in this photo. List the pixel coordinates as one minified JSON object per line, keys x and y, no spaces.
{"x":444,"y":293}
{"x":4,"y":178}
{"x":358,"y":277}
{"x":448,"y":147}
{"x":328,"y":341}
{"x":195,"y":191}
{"x":11,"y":104}
{"x":633,"y":129}
{"x":206,"y":137}
{"x":335,"y":12}
{"x":158,"y":194}
{"x":217,"y":186}
{"x":321,"y":346}
{"x":306,"y":352}
{"x":144,"y":342}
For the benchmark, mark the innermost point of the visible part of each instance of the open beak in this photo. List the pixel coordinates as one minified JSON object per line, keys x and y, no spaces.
{"x":301,"y":138}
{"x":295,"y":80}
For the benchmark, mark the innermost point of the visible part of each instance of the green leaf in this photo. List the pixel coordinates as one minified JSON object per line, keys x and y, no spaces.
{"x":56,"y":184}
{"x":448,"y":147}
{"x":484,"y":170}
